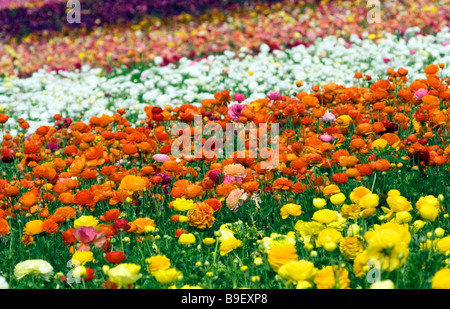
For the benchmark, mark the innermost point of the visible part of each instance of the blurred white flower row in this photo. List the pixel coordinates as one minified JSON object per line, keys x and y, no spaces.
{"x":86,"y":93}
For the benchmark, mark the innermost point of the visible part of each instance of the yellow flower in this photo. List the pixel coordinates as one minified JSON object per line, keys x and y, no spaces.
{"x":330,"y":218}
{"x":258,"y":261}
{"x":79,"y":272}
{"x":209,"y":241}
{"x":181,"y":204}
{"x":228,"y":245}
{"x":369,"y":200}
{"x":398,"y":203}
{"x":186,"y":239}
{"x":157,"y":262}
{"x":428,"y":212}
{"x":276,"y":239}
{"x":403,"y":217}
{"x":383,"y":285}
{"x":83,"y":257}
{"x":358,"y":193}
{"x":350,"y":247}
{"x":338,"y":199}
{"x":326,"y":278}
{"x":394,"y":192}
{"x":319,"y":202}
{"x":167,"y":276}
{"x":86,"y":221}
{"x":124,"y":274}
{"x":328,"y":239}
{"x":379,"y":144}
{"x":417,"y":226}
{"x":282,"y":254}
{"x":441,"y":279}
{"x":388,"y":243}
{"x":290,"y":210}
{"x":444,"y":245}
{"x":301,"y":273}
{"x":439,"y":232}
{"x":33,"y":227}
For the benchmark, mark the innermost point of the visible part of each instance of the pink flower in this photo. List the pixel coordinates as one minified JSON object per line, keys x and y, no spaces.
{"x":87,"y":235}
{"x":419,"y":94}
{"x":239,"y":97}
{"x":412,"y":51}
{"x":326,"y":138}
{"x":273,"y":95}
{"x":231,"y":179}
{"x":235,"y":199}
{"x":386,"y":60}
{"x":235,"y":111}
{"x":159,"y":157}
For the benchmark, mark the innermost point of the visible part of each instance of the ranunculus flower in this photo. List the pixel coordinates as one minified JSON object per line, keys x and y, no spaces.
{"x":159,"y":157}
{"x":39,"y":268}
{"x":273,"y":95}
{"x":420,"y":93}
{"x":87,"y":235}
{"x":115,"y":257}
{"x":235,"y":111}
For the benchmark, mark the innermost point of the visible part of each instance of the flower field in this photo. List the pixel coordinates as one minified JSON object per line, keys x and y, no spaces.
{"x":141,"y":153}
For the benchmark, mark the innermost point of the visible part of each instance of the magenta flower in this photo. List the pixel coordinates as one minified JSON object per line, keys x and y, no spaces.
{"x":239,"y":97}
{"x":88,"y":235}
{"x":419,"y":94}
{"x":214,"y":175}
{"x":235,"y":111}
{"x":273,"y":95}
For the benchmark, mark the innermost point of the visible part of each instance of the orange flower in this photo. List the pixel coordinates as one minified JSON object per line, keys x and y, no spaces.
{"x":50,"y":226}
{"x":201,"y":216}
{"x":66,"y":212}
{"x":110,"y":215}
{"x":85,"y":198}
{"x":4,"y":227}
{"x":138,"y":225}
{"x":282,"y":184}
{"x":29,"y":199}
{"x":193,"y":191}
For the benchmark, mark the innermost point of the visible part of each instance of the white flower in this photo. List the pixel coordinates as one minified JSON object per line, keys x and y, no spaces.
{"x":3,"y":284}
{"x":39,"y":268}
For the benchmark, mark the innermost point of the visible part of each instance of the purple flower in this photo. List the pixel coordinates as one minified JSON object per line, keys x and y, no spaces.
{"x":165,"y":179}
{"x":235,"y":111}
{"x":273,"y":95}
{"x":87,"y":235}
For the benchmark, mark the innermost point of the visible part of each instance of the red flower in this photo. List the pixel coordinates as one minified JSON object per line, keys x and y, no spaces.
{"x":115,"y":257}
{"x":89,"y":275}
{"x":339,"y":178}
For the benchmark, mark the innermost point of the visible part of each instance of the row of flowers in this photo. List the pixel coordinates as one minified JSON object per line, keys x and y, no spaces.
{"x":281,"y":25}
{"x":361,"y":180}
{"x":90,"y":93}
